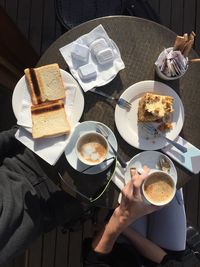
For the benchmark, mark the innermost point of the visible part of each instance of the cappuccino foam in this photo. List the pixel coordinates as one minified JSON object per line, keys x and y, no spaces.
{"x":159,"y":188}
{"x":92,"y":149}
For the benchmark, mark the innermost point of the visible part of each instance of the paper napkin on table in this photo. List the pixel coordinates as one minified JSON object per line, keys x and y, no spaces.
{"x":190,"y":160}
{"x":105,"y":73}
{"x":49,"y":149}
{"x":118,"y":179}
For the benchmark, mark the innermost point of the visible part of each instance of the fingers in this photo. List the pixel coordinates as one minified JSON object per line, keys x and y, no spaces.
{"x":133,"y":186}
{"x":138,"y":180}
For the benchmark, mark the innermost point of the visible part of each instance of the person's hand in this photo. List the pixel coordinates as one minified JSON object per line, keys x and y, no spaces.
{"x":132,"y":205}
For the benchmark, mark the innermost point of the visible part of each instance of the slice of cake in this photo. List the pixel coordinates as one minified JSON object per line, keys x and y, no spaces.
{"x":155,"y":108}
{"x":49,"y":119}
{"x":45,"y":83}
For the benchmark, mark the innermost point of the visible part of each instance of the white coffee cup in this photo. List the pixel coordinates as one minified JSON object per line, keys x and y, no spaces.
{"x":92,"y":148}
{"x":159,"y":188}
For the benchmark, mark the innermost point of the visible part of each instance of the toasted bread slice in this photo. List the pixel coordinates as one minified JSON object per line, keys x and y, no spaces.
{"x":45,"y":83}
{"x":153,"y":107}
{"x":49,"y":119}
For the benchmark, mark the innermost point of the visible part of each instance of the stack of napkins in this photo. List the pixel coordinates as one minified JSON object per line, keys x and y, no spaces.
{"x":93,"y":59}
{"x":172,"y":63}
{"x":49,"y":149}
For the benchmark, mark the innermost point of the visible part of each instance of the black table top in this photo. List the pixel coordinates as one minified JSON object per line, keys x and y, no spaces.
{"x":140,"y":41}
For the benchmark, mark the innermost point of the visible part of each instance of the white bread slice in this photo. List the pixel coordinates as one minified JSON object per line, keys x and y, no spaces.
{"x":49,"y":119}
{"x":45,"y":83}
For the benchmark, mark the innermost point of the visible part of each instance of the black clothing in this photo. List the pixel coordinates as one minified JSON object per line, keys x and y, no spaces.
{"x":125,"y":255}
{"x":30,"y":200}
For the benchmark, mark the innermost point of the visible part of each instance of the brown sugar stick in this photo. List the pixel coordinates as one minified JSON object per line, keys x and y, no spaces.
{"x":185,"y":37}
{"x":179,"y":43}
{"x":187,"y":48}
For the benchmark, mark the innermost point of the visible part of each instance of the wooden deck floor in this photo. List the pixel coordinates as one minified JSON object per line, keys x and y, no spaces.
{"x":37,"y":21}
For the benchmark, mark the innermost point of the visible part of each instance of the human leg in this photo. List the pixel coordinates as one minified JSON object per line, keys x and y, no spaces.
{"x":167,"y":226}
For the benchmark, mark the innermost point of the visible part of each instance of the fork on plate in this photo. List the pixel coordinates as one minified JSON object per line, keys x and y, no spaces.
{"x":102,"y":130}
{"x":120,"y":101}
{"x":149,"y":128}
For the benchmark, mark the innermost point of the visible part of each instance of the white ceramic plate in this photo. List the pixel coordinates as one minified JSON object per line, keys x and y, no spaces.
{"x":150,"y":159}
{"x":71,"y":84}
{"x":127,"y":124}
{"x":70,"y":152}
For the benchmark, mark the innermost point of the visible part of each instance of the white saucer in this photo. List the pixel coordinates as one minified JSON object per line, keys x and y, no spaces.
{"x":70,"y":152}
{"x":127,"y":122}
{"x":150,"y":159}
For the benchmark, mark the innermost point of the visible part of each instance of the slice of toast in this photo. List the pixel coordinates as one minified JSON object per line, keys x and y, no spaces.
{"x":45,"y":83}
{"x":49,"y":119}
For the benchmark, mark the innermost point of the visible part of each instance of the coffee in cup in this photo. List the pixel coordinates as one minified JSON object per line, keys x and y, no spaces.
{"x":159,"y":188}
{"x":92,"y":148}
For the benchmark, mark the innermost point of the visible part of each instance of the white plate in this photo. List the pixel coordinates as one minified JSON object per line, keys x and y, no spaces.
{"x":127,"y":122}
{"x":70,"y":152}
{"x":150,"y":159}
{"x":71,"y":84}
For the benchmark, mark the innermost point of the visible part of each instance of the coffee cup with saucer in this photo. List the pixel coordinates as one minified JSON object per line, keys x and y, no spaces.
{"x":92,"y":148}
{"x":151,"y":159}
{"x":71,"y":154}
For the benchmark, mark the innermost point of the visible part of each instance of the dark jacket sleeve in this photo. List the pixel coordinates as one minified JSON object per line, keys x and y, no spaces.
{"x":8,"y":143}
{"x":20,"y":215}
{"x":31,"y":201}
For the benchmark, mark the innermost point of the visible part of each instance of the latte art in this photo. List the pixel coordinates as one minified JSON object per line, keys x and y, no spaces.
{"x":92,"y":149}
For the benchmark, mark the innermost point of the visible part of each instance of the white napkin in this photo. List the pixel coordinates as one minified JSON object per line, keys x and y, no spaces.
{"x":118,"y":179}
{"x":49,"y":149}
{"x":105,"y":73}
{"x":189,"y":160}
{"x":24,"y":118}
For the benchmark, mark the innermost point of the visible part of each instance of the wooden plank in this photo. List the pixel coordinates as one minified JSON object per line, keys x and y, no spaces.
{"x":75,"y":249}
{"x":36,"y":24}
{"x":35,"y":253}
{"x":88,"y":229}
{"x":59,"y":29}
{"x":177,"y":16}
{"x":49,"y":25}
{"x":189,"y":15}
{"x":197,"y":27}
{"x":49,"y":245}
{"x":191,"y":195}
{"x":165,"y":12}
{"x":21,"y":261}
{"x":24,"y":11}
{"x":11,"y":7}
{"x":8,"y":264}
{"x":156,"y":5}
{"x":2,"y":3}
{"x":198,"y":212}
{"x":61,"y":250}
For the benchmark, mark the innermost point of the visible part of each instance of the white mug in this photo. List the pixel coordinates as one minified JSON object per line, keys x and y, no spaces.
{"x":159,"y":188}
